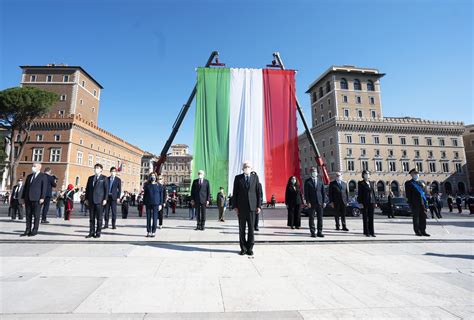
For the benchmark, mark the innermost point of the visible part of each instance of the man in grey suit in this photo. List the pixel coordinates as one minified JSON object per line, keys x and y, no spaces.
{"x":246,"y":201}
{"x":338,"y":198}
{"x":315,"y":198}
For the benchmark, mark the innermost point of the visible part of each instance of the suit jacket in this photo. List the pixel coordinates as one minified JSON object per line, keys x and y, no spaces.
{"x":413,"y":196}
{"x":153,"y":194}
{"x":366,"y":193}
{"x":116,"y":189}
{"x":36,"y":190}
{"x":97,"y":193}
{"x":247,"y":197}
{"x":220,"y":199}
{"x":315,"y":195}
{"x":16,"y":189}
{"x":201,"y":194}
{"x":50,"y":184}
{"x":293,"y":196}
{"x":338,"y":193}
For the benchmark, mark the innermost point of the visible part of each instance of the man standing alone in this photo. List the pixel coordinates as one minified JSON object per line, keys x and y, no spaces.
{"x":200,"y":196}
{"x":246,"y":200}
{"x":34,"y":195}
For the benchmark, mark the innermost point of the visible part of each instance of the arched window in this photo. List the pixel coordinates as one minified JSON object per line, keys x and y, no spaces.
{"x":434,"y":187}
{"x":448,"y":188}
{"x":380,"y":187}
{"x":370,"y":85}
{"x":357,"y":85}
{"x":461,"y":188}
{"x":395,"y":188}
{"x":321,"y":93}
{"x":343,"y":83}
{"x":352,"y":186}
{"x":328,"y":86}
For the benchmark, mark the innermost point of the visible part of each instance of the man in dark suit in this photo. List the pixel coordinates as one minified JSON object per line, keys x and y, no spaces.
{"x":34,"y":195}
{"x":97,"y":191}
{"x":316,"y":201}
{"x":200,"y":196}
{"x":339,"y":197}
{"x":417,"y":200}
{"x":246,"y":200}
{"x":257,"y":216}
{"x":115,"y":189}
{"x":16,"y":202}
{"x":368,"y":201}
{"x":50,"y":184}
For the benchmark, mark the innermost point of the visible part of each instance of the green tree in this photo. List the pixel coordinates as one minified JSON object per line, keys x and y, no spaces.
{"x":19,"y":107}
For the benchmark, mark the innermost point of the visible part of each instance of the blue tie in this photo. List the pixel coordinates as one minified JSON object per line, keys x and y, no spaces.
{"x":111,"y":183}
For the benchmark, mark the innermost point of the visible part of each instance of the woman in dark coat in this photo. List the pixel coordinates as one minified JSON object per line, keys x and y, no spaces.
{"x":125,"y":200}
{"x":293,"y":201}
{"x":153,"y":200}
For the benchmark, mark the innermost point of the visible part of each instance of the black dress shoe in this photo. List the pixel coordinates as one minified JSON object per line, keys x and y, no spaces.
{"x":418,"y":234}
{"x":250,"y":253}
{"x":89,"y":236}
{"x":425,"y":234}
{"x":297,"y":228}
{"x":366,"y":234}
{"x":256,"y":229}
{"x":345,"y":229}
{"x":337,"y":227}
{"x":24,"y":234}
{"x":320,"y":235}
{"x":32,"y":234}
{"x":202,"y":228}
{"x":114,"y":227}
{"x":242,"y":252}
{"x":313,"y":235}
{"x":372,"y":235}
{"x":292,"y":227}
{"x":97,"y":236}
{"x":105,"y":227}
{"x":45,"y":221}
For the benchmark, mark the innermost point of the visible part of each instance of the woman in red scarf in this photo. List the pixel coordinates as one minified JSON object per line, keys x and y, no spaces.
{"x":69,"y":198}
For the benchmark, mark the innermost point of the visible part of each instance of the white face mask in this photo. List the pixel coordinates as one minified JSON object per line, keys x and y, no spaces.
{"x":415,"y":176}
{"x":34,"y":169}
{"x":247,"y":170}
{"x":293,"y":181}
{"x":113,"y":173}
{"x":20,"y":183}
{"x":314,"y":174}
{"x":339,"y":178}
{"x":200,"y":176}
{"x":366,"y":177}
{"x":97,"y":171}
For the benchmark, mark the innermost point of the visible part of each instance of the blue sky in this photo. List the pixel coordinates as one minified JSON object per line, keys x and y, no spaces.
{"x":145,"y":53}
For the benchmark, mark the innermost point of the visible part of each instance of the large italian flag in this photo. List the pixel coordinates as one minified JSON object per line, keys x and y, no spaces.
{"x":246,"y":115}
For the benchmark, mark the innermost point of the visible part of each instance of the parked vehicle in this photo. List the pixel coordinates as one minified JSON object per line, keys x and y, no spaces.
{"x":352,"y":210}
{"x":400,"y":207}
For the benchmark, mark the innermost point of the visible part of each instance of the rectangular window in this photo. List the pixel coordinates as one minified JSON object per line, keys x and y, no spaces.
{"x":372,"y":113}
{"x":32,"y":78}
{"x":55,"y":155}
{"x":432,"y":166}
{"x":349,"y":139}
{"x":419,"y":166}
{"x":330,"y":115}
{"x":441,"y":142}
{"x":430,"y":153}
{"x":417,"y":153}
{"x":392,"y":166}
{"x":37,"y":154}
{"x":350,"y":165}
{"x":445,"y":167}
{"x":377,"y":152}
{"x":83,"y":83}
{"x":330,"y":141}
{"x":359,"y":113}
{"x":57,"y":137}
{"x":378,"y":165}
{"x":346,"y":113}
{"x":390,"y":152}
{"x":95,"y":92}
{"x":90,"y":161}
{"x":65,"y":78}
{"x":358,"y":100}
{"x":79,"y":157}
{"x":372,"y":100}
{"x":329,"y":102}
{"x":458,"y":168}
{"x":455,"y":142}
{"x":365,"y":165}
{"x":416,"y":141}
{"x":362,"y":139}
{"x":322,"y":119}
{"x":405,"y":166}
{"x":443,"y":154}
{"x":344,"y":99}
{"x":456,"y":155}
{"x":404,"y":153}
{"x":376,"y":140}
{"x":389,"y":140}
{"x":349,"y":151}
{"x":49,"y":78}
{"x":403,"y":140}
{"x":363,"y":152}
{"x":429,"y":142}
{"x":39,"y":137}
{"x":63,"y":97}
